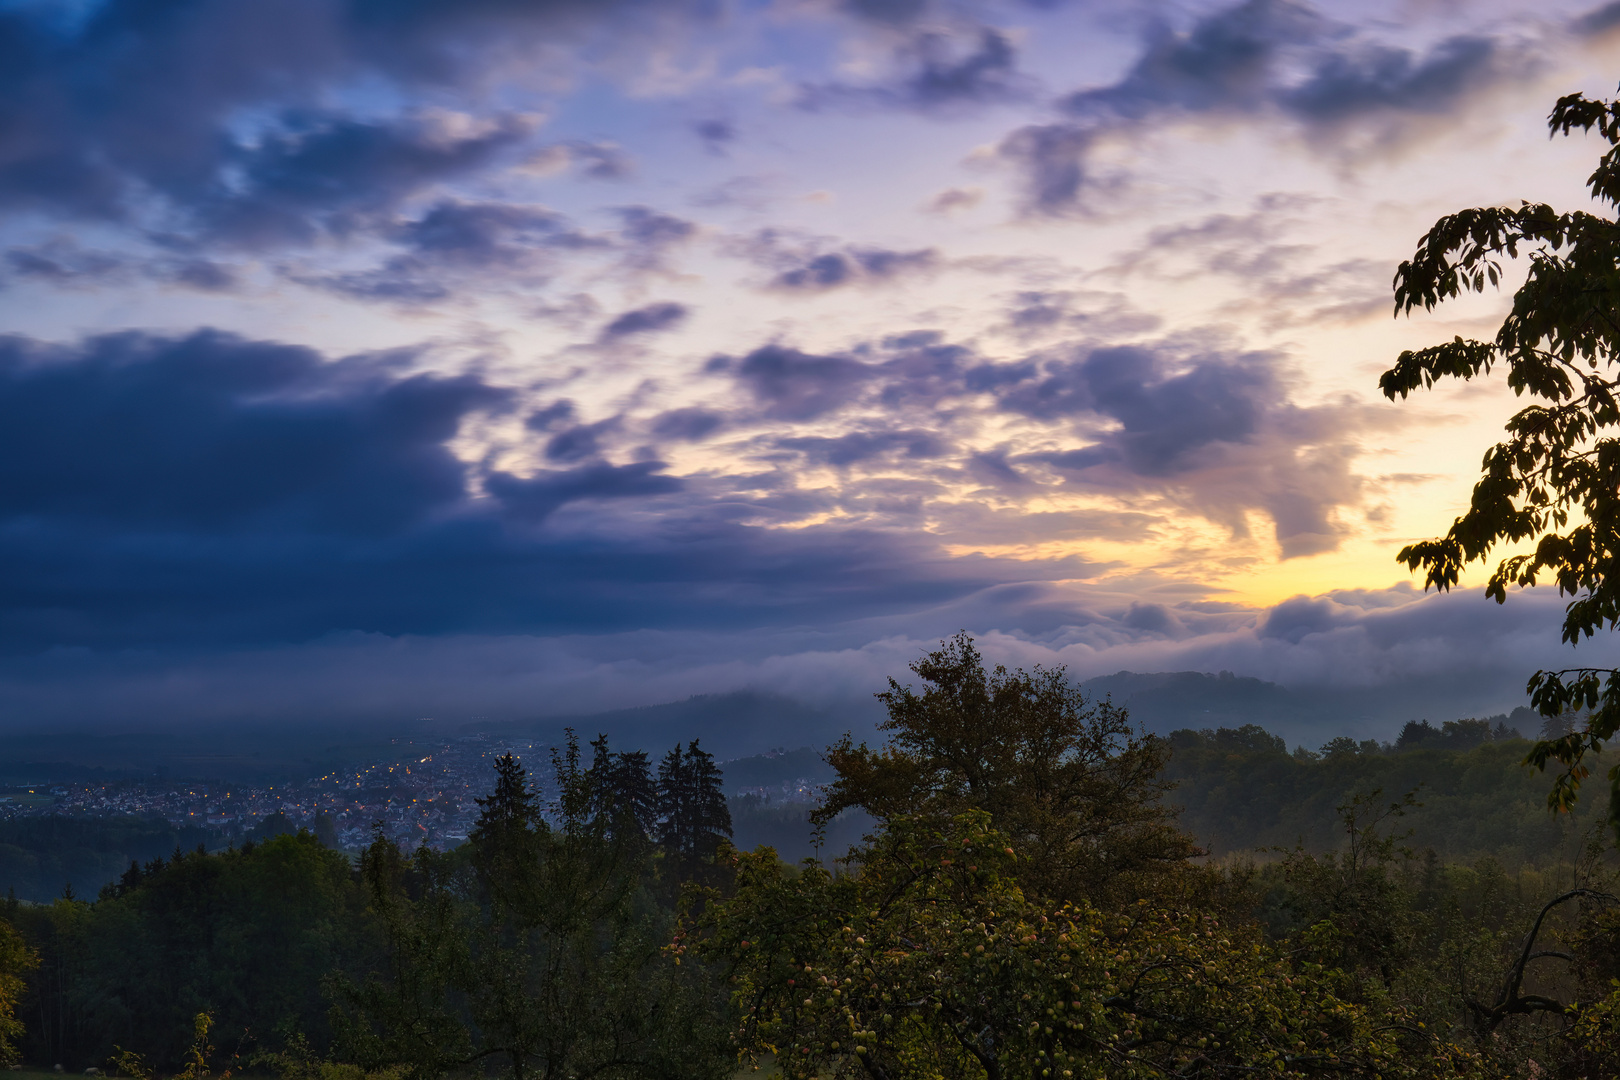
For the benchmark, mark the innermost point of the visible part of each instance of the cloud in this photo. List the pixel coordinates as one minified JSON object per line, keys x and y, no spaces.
{"x":454,"y":244}
{"x":715,"y":133}
{"x":329,"y":173}
{"x":650,"y":319}
{"x":936,"y":72}
{"x":1216,"y":433}
{"x":1167,"y":423}
{"x":596,"y":160}
{"x":1388,"y":656}
{"x":214,"y":491}
{"x":215,"y":434}
{"x":793,"y":385}
{"x":1197,"y":430}
{"x":225,"y":119}
{"x":1286,"y":284}
{"x":534,"y":498}
{"x":1036,"y":313}
{"x":62,"y":263}
{"x":648,"y":237}
{"x":1598,"y":21}
{"x":692,"y":424}
{"x":955,"y":200}
{"x":859,"y":447}
{"x":201,"y":500}
{"x":805,"y":266}
{"x":1260,"y":60}
{"x":581,"y":442}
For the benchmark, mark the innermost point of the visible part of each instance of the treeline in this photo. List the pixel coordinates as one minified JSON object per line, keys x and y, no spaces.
{"x":40,"y":856}
{"x":1028,"y":904}
{"x":1241,"y":790}
{"x":265,"y":938}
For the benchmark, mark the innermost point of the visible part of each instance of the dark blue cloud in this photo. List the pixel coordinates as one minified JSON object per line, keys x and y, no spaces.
{"x":646,"y":320}
{"x":489,"y":235}
{"x":549,"y":417}
{"x":716,"y":134}
{"x":534,"y":498}
{"x":64,"y":264}
{"x":454,"y":244}
{"x":331,"y":173}
{"x":687,"y":425}
{"x":1226,"y":60}
{"x":213,"y":491}
{"x":1599,"y":20}
{"x":581,"y":442}
{"x":648,"y":236}
{"x":139,"y":101}
{"x":1259,"y":58}
{"x":793,"y":385}
{"x":215,"y":434}
{"x":1295,"y":619}
{"x":1055,"y":164}
{"x":935,"y":73}
{"x":1165,"y":421}
{"x":1376,"y":78}
{"x":822,"y":273}
{"x":991,"y":468}
{"x":886,"y":11}
{"x":861,"y":446}
{"x":985,"y":73}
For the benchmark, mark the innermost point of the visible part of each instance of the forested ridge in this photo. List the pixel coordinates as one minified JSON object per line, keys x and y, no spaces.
{"x":1031,"y":900}
{"x":1241,"y":791}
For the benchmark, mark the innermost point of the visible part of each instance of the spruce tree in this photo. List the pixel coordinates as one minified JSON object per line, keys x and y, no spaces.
{"x":624,"y":798}
{"x":510,"y":808}
{"x":693,"y":811}
{"x":674,"y":801}
{"x":503,"y":840}
{"x":711,"y":817}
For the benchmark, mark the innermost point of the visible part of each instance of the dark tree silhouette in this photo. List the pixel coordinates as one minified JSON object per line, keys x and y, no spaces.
{"x":693,"y":814}
{"x":624,"y":797}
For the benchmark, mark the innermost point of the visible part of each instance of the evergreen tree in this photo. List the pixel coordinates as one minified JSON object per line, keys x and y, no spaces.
{"x":509,"y":809}
{"x":509,"y":823}
{"x":692,"y":805}
{"x":558,"y":966}
{"x":711,"y":817}
{"x":624,"y":797}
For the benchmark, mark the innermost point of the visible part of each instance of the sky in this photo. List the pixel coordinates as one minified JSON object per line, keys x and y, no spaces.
{"x":369,"y":360}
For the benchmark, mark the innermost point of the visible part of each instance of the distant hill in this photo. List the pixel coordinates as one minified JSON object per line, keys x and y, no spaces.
{"x":1166,"y":700}
{"x":731,"y":725}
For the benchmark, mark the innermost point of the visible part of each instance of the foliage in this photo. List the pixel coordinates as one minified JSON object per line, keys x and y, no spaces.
{"x":624,"y":797}
{"x":244,"y":935}
{"x":930,"y":961}
{"x":1076,"y":790}
{"x":1240,"y":791}
{"x":1555,"y":480}
{"x":195,"y":1065}
{"x":298,"y":1061}
{"x":16,"y":958}
{"x":695,"y":818}
{"x":537,"y":947}
{"x":40,"y":855}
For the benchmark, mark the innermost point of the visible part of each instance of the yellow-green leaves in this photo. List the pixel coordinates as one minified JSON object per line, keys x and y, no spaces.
{"x":924,"y":959}
{"x":15,"y":959}
{"x":1555,"y":479}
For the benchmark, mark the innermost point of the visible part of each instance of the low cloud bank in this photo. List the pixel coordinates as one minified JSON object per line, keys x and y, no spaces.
{"x":1358,"y":663}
